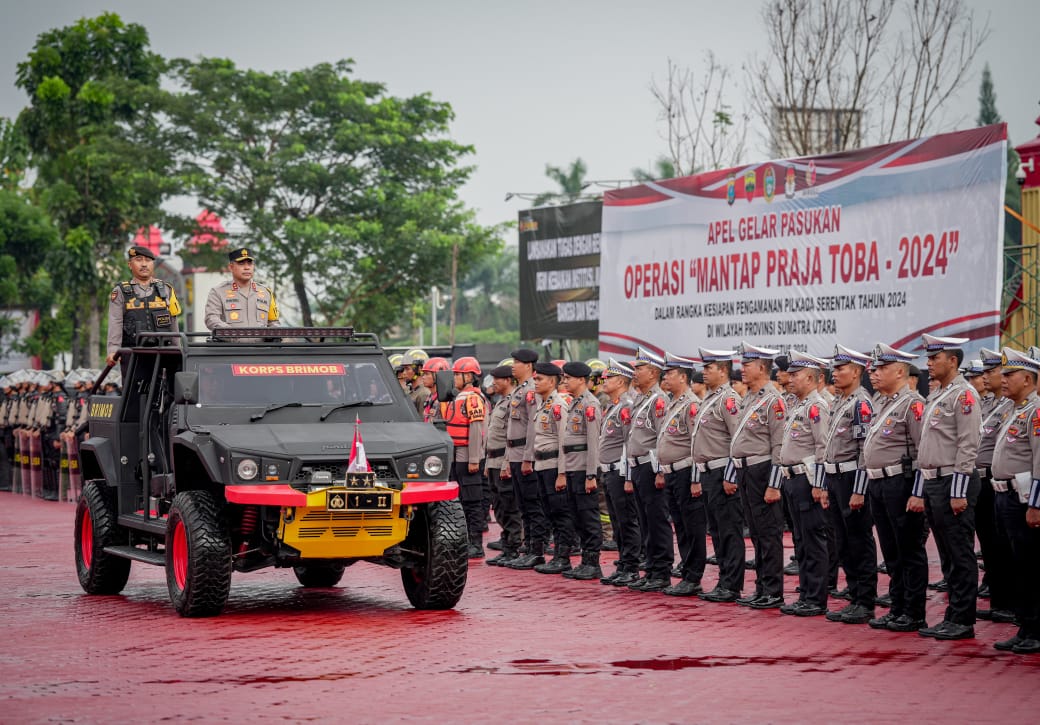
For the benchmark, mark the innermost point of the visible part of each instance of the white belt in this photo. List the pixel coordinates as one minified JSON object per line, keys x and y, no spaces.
{"x":639,"y":460}
{"x":677,"y":466}
{"x":843,"y":467}
{"x":608,"y":467}
{"x":712,"y":464}
{"x":930,"y":473}
{"x":795,"y":470}
{"x":1002,"y":486}
{"x":750,"y":461}
{"x":893,"y":470}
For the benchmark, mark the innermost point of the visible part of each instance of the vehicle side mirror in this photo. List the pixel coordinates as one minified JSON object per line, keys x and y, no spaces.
{"x":186,"y":387}
{"x":445,"y":380}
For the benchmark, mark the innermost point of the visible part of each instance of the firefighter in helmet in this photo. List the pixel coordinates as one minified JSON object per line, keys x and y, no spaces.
{"x":466,"y":417}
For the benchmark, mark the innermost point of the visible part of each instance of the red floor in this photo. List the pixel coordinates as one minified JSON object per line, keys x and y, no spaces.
{"x":520,"y":647}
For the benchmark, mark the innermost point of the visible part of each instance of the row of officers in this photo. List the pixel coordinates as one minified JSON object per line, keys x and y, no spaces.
{"x":43,"y":418}
{"x":678,"y":467}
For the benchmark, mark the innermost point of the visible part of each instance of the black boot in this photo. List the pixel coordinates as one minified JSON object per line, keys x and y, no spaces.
{"x":588,"y":570}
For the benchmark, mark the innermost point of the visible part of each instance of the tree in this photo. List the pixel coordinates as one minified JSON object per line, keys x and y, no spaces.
{"x":348,"y":193}
{"x":988,"y":114}
{"x":93,"y":89}
{"x":840,"y":72}
{"x":571,"y":182}
{"x":701,"y":130}
{"x":663,"y":168}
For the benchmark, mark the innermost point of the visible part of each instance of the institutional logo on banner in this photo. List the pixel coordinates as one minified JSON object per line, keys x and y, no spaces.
{"x":731,"y":190}
{"x":810,"y":174}
{"x":789,"y":184}
{"x":749,"y":185}
{"x":769,"y":184}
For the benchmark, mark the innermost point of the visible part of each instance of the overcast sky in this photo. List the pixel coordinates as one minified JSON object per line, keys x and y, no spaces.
{"x":530,"y":82}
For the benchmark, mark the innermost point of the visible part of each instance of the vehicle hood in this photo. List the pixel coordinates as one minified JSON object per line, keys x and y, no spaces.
{"x":328,"y":439}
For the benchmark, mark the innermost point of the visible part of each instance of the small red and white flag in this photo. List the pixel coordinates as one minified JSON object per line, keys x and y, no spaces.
{"x":358,"y":461}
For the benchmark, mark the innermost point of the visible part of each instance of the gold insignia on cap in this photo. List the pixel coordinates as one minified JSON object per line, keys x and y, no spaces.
{"x":133,"y":252}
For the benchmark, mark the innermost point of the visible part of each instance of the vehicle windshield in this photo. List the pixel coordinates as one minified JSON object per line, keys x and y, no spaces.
{"x":273,"y":383}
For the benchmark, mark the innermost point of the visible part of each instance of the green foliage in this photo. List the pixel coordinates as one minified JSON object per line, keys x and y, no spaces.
{"x":14,"y":154}
{"x":663,"y":168}
{"x":348,"y":193}
{"x":987,"y":100}
{"x":571,"y":182}
{"x":988,"y":114}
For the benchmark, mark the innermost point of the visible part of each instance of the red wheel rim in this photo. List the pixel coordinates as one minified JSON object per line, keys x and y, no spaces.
{"x":86,"y":539}
{"x":180,"y":555}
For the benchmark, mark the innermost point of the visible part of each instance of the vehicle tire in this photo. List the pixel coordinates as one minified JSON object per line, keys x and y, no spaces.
{"x":96,"y":528}
{"x":198,"y":555}
{"x":439,"y":531}
{"x":319,"y":575}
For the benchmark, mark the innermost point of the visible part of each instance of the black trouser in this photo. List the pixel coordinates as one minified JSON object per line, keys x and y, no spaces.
{"x":1024,"y":543}
{"x":766,"y":523}
{"x":958,"y":535}
{"x":535,"y":522}
{"x":657,"y":536}
{"x":729,"y":530}
{"x":507,"y":512}
{"x":50,"y":460}
{"x":627,"y":533}
{"x":6,"y":459}
{"x":810,"y":521}
{"x":854,"y":536}
{"x":690,"y":521}
{"x":471,"y":495}
{"x":901,"y":534}
{"x":558,"y":510}
{"x":585,"y":514}
{"x":996,"y":549}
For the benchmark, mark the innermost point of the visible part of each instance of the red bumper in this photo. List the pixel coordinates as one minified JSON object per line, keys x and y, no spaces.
{"x":280,"y":494}
{"x":428,"y":491}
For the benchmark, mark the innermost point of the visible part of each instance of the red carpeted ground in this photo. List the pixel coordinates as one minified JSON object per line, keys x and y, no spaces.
{"x":520,"y":647}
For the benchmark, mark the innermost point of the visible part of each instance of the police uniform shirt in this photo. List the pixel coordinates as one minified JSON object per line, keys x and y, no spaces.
{"x":232,"y":305}
{"x":760,"y":431}
{"x":895,"y":430}
{"x":1013,"y":449}
{"x":647,"y":412}
{"x":614,"y":430}
{"x":583,"y":416}
{"x":496,"y":434}
{"x":992,"y":419}
{"x":675,"y":438}
{"x":522,"y":403}
{"x":850,"y":417}
{"x":805,"y":432}
{"x":546,"y":430}
{"x":989,"y":401}
{"x":117,"y":308}
{"x":419,"y":395}
{"x":950,"y":435}
{"x":716,"y":421}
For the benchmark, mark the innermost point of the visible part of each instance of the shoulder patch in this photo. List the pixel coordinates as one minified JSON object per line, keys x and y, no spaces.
{"x":626,"y":416}
{"x":590,"y":413}
{"x":917,"y":408}
{"x":814,"y":413}
{"x":864,"y":412}
{"x":1036,"y":423}
{"x":967,"y":402}
{"x":731,"y":405}
{"x":779,"y":409}
{"x":557,"y":411}
{"x":112,"y":296}
{"x":530,"y":397}
{"x":693,"y":410}
{"x":659,"y":407}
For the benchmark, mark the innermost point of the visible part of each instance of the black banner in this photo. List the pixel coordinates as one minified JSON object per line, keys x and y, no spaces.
{"x":559,"y":272}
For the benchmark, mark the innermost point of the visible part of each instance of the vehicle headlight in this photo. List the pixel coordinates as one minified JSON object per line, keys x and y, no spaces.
{"x":433,"y":465}
{"x":247,"y":469}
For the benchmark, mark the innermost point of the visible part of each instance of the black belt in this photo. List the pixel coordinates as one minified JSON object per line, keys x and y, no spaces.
{"x":546,"y":455}
{"x":514,"y":442}
{"x":576,"y":448}
{"x":495,"y":452}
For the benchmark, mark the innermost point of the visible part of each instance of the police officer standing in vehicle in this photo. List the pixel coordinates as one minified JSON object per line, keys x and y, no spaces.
{"x":503,"y":497}
{"x":851,"y":415}
{"x":756,"y":455}
{"x":675,"y":454}
{"x":141,"y":304}
{"x":648,"y":410}
{"x":241,"y":302}
{"x":947,"y":482}
{"x":712,"y":437}
{"x":520,"y":455}
{"x":578,"y":467}
{"x":889,"y":460}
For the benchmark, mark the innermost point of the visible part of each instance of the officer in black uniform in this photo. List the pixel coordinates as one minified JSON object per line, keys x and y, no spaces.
{"x":141,"y":304}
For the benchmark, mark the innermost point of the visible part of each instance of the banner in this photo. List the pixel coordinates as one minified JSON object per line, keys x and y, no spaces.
{"x":559,"y":272}
{"x":876,"y":245}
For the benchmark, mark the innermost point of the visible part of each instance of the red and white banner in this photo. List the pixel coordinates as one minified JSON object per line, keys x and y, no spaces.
{"x":875,"y":245}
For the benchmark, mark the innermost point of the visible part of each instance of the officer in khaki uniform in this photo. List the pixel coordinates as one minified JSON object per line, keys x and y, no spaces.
{"x":755,"y":451}
{"x":503,"y":497}
{"x":141,"y":304}
{"x":1016,"y":466}
{"x":802,"y":456}
{"x":712,"y":437}
{"x":579,"y":466}
{"x":241,"y":302}
{"x":889,"y":461}
{"x":947,"y":482}
{"x":6,"y":433}
{"x":675,"y":455}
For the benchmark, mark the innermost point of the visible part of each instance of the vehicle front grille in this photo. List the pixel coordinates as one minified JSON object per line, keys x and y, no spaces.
{"x":384,"y":471}
{"x":314,"y":524}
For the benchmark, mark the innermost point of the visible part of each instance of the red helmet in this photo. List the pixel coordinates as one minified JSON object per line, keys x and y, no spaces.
{"x":434,"y":364}
{"x":466,"y":365}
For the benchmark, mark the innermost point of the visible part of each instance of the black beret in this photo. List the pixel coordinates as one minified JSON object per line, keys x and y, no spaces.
{"x":915,"y":372}
{"x":241,"y":255}
{"x":547,"y":368}
{"x":735,"y":375}
{"x":577,"y":370}
{"x":525,"y":355}
{"x":697,"y":377}
{"x":782,"y":361}
{"x":502,"y":371}
{"x":138,"y":251}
